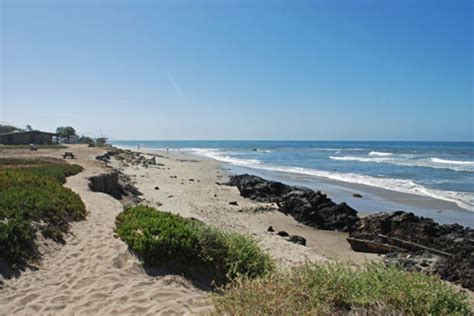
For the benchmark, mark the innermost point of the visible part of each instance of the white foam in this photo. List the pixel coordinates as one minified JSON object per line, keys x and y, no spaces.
{"x":464,"y":200}
{"x":378,"y":153}
{"x":452,"y":162}
{"x":408,"y":161}
{"x":362,"y":159}
{"x":217,"y":155}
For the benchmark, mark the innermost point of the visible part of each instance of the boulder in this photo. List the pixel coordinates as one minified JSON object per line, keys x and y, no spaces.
{"x":454,"y":241}
{"x":311,"y":208}
{"x":297,"y":240}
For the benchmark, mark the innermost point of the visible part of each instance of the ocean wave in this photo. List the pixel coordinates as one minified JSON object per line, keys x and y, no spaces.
{"x":362,"y":159}
{"x":452,"y":162}
{"x":408,"y":161}
{"x":218,"y":155}
{"x":378,"y":153}
{"x":464,"y":200}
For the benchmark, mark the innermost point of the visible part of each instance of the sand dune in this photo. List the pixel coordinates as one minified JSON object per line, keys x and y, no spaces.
{"x":94,"y":273}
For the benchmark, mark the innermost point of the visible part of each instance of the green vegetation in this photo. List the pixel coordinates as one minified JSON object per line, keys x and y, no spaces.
{"x":33,"y":199}
{"x":9,"y":129}
{"x":159,"y":238}
{"x":52,"y":146}
{"x":66,"y":132}
{"x":315,"y":289}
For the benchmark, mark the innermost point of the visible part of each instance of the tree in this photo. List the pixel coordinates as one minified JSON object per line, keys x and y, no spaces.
{"x":101,"y":141}
{"x":66,"y":132}
{"x":28,"y":128}
{"x":8,"y":129}
{"x":85,"y":140}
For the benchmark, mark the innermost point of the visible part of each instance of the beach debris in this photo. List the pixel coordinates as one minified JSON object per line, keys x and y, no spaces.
{"x":233,"y":203}
{"x":173,"y":177}
{"x":192,"y":180}
{"x":270,"y":229}
{"x":362,"y":245}
{"x":283,"y":233}
{"x":357,"y":195}
{"x":170,"y":196}
{"x":297,"y":240}
{"x":311,"y":208}
{"x":215,"y":195}
{"x":453,"y":244}
{"x":158,"y":204}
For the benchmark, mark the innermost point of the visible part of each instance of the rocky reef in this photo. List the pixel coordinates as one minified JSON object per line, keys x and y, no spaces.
{"x":311,"y":208}
{"x":423,"y":244}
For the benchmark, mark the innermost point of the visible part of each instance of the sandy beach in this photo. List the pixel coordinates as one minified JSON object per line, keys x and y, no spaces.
{"x":94,"y":272}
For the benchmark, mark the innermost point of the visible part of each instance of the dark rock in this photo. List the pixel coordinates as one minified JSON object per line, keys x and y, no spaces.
{"x":283,"y":233}
{"x":311,"y":208}
{"x":259,"y":189}
{"x":453,"y":239}
{"x":192,"y":180}
{"x":117,"y":185}
{"x":297,"y":240}
{"x":234,"y":203}
{"x":270,"y":229}
{"x":357,"y":195}
{"x":157,"y":188}
{"x":107,"y":183}
{"x":106,"y":156}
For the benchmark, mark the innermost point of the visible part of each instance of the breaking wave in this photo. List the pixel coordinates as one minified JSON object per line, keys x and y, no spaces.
{"x":464,"y":200}
{"x":378,"y":153}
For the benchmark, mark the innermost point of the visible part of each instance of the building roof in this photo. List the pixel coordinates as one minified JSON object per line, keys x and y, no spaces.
{"x":27,"y":132}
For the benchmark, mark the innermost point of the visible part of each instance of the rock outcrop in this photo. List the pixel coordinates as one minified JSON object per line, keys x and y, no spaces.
{"x":117,"y":185}
{"x":454,"y":242}
{"x":311,"y":208}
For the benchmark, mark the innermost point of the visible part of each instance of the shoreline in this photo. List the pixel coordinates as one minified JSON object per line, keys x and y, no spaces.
{"x":209,"y":202}
{"x":95,"y":273}
{"x":374,"y":199}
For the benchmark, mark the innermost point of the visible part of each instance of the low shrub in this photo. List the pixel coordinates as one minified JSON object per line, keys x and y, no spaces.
{"x":159,"y":238}
{"x":33,"y":199}
{"x":46,"y":167}
{"x":315,"y":289}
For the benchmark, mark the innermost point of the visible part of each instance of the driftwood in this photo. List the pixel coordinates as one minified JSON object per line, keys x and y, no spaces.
{"x":362,"y":245}
{"x":408,"y":245}
{"x":391,"y":244}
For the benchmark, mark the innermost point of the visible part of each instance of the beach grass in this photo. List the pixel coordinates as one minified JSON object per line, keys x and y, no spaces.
{"x":336,"y":288}
{"x":160,"y":237}
{"x":33,"y":199}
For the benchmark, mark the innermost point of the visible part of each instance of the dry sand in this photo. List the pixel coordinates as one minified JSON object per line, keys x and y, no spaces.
{"x":94,"y":273}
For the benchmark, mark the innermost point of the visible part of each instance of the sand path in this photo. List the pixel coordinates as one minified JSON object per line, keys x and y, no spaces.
{"x":93,"y":273}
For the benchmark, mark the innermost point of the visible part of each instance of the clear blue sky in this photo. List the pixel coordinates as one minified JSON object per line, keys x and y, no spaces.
{"x":338,"y":70}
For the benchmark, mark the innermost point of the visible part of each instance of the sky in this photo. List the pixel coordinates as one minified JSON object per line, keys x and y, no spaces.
{"x":230,"y":70}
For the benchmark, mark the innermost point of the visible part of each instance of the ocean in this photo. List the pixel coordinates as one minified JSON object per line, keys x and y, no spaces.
{"x":423,"y":172}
